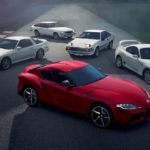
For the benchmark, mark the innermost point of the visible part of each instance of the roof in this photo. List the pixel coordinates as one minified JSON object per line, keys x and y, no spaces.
{"x":66,"y":65}
{"x":94,"y":30}
{"x":48,"y":22}
{"x":142,"y":45}
{"x":18,"y":37}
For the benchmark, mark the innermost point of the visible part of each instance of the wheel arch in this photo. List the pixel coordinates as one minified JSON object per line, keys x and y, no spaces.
{"x":8,"y":57}
{"x":38,"y":49}
{"x":118,"y":55}
{"x":30,"y":80}
{"x":100,"y":103}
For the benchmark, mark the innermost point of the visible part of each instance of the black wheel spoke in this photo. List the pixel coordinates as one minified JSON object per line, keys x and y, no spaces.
{"x":100,"y":116}
{"x":30,"y":96}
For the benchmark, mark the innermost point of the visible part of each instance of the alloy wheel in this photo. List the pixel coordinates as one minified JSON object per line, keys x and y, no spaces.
{"x":40,"y":54}
{"x":110,"y":46}
{"x":101,"y":116}
{"x":30,"y":96}
{"x":37,"y":34}
{"x":96,"y":54}
{"x":147,"y":76}
{"x":56,"y":36}
{"x":119,"y":62}
{"x":5,"y":63}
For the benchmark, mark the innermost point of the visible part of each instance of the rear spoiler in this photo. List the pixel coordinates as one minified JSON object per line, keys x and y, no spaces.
{"x":32,"y":67}
{"x":125,"y":43}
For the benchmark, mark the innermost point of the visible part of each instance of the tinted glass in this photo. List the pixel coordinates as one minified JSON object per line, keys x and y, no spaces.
{"x":145,"y":53}
{"x":37,"y":41}
{"x":90,"y":35}
{"x":54,"y":76}
{"x":85,"y":75}
{"x":25,"y":43}
{"x":8,"y":44}
{"x":133,"y":50}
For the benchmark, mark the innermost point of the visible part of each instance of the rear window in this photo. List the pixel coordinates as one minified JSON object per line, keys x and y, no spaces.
{"x":37,"y":41}
{"x":128,"y":43}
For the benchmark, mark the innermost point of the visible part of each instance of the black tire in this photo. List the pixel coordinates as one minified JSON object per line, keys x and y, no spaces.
{"x":30,"y":96}
{"x":97,"y":52}
{"x":56,"y":36}
{"x":37,"y":33}
{"x":101,"y":116}
{"x":110,"y":46}
{"x":146,"y":76}
{"x":119,"y":62}
{"x":40,"y":54}
{"x":5,"y":63}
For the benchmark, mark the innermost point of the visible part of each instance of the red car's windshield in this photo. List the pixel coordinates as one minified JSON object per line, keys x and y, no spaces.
{"x":85,"y":75}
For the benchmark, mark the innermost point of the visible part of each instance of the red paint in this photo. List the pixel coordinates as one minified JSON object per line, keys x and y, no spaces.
{"x":109,"y":91}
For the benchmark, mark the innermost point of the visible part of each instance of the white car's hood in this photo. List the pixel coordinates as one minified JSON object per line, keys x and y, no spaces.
{"x":146,"y":62}
{"x":79,"y":42}
{"x":62,"y":29}
{"x":3,"y":51}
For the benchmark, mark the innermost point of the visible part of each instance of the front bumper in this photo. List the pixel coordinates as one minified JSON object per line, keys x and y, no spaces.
{"x":131,"y":116}
{"x":80,"y":53}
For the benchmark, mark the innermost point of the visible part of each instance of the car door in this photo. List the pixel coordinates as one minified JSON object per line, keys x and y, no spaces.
{"x":24,"y":50}
{"x":42,"y":28}
{"x":104,"y":39}
{"x":50,"y":29}
{"x":108,"y":37}
{"x":59,"y":94}
{"x":132,"y":58}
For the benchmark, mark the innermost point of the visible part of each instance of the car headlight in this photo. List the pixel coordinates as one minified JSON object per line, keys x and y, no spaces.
{"x":127,"y":106}
{"x":147,"y":93}
{"x":62,"y":32}
{"x":68,"y":47}
{"x":88,"y":45}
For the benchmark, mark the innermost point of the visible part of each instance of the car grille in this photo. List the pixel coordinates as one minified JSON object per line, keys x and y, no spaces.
{"x":78,"y":49}
{"x":69,"y":32}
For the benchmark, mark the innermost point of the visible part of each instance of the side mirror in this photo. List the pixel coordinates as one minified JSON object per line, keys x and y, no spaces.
{"x":18,"y":48}
{"x":66,"y":83}
{"x":135,"y":56}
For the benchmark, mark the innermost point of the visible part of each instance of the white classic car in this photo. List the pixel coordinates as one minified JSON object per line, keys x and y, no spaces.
{"x":135,"y":56}
{"x":90,"y":42}
{"x":52,"y":28}
{"x":18,"y":48}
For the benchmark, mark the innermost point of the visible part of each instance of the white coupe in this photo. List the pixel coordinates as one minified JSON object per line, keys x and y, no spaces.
{"x":90,"y":42}
{"x":52,"y":28}
{"x":135,"y":56}
{"x":18,"y":48}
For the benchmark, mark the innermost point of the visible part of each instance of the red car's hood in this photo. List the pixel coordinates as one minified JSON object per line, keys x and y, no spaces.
{"x":116,"y":90}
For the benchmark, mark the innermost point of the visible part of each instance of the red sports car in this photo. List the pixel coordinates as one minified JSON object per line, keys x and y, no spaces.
{"x":77,"y":86}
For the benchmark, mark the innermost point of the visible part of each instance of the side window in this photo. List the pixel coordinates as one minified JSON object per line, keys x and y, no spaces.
{"x":37,"y":25}
{"x":25,"y":43}
{"x":42,"y":25}
{"x":54,"y":76}
{"x":103,"y":36}
{"x":133,"y":50}
{"x":107,"y":34}
{"x":51,"y":25}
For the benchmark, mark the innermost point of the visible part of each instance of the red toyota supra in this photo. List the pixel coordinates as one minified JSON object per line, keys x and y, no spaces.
{"x":79,"y":87}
